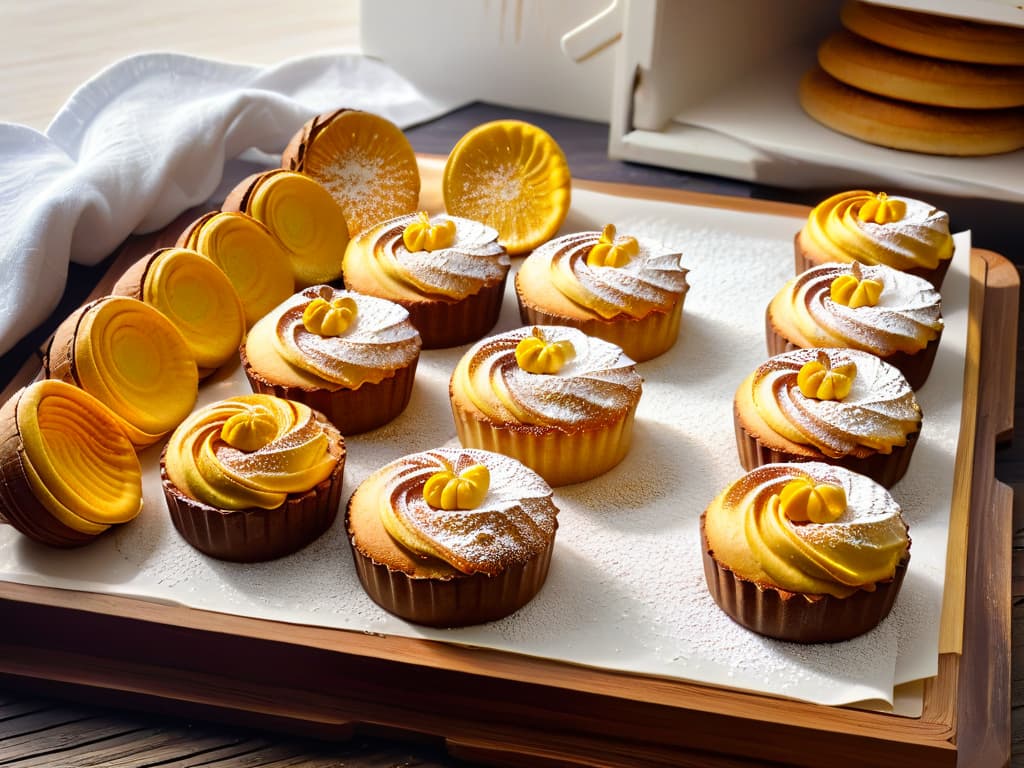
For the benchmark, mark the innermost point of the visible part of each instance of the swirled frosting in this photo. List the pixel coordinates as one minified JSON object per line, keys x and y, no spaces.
{"x":599,"y":384}
{"x":907,"y":316}
{"x":251,"y":451}
{"x":748,"y":532}
{"x":378,"y":341}
{"x":651,"y":280}
{"x":918,"y":238}
{"x":513,"y":522}
{"x":472,"y":261}
{"x":878,"y":414}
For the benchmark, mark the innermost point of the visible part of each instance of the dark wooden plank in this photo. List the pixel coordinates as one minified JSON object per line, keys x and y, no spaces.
{"x":54,"y":745}
{"x":15,"y":706}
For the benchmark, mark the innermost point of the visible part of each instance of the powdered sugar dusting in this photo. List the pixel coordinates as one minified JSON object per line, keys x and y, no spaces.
{"x":626,"y":589}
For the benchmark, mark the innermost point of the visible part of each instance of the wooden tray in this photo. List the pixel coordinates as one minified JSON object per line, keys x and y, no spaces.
{"x":501,"y":708}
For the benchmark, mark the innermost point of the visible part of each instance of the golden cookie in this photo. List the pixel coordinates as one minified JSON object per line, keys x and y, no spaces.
{"x":943,"y":37}
{"x":913,"y":127}
{"x":857,"y":61}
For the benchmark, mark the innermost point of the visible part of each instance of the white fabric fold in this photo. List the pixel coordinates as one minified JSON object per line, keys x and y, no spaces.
{"x":145,"y":140}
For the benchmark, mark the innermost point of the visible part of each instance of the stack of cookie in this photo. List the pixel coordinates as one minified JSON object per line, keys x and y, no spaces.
{"x":920,"y":82}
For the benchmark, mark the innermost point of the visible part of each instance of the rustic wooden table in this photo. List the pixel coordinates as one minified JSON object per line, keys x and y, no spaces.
{"x":39,"y":726}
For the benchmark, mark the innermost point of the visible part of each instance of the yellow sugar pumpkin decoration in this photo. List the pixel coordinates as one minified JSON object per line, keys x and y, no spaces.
{"x":426,"y":235}
{"x":330,"y":318}
{"x":804,"y":501}
{"x":535,"y":354}
{"x":466,"y":490}
{"x":822,"y":380}
{"x":609,"y":253}
{"x":249,"y":430}
{"x":881,"y":209}
{"x":854,"y":290}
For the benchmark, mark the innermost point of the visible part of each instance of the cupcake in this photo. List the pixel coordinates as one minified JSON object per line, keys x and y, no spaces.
{"x":68,"y":472}
{"x":452,"y":537}
{"x":253,"y":477}
{"x":808,"y":552}
{"x":838,"y":406}
{"x":900,"y":232}
{"x":560,"y":401}
{"x":351,"y":357}
{"x":889,"y":313}
{"x":449,"y":272}
{"x":132,"y":359}
{"x":195,"y":296}
{"x":625,"y":290}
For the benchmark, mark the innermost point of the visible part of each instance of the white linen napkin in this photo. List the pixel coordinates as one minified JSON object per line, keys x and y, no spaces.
{"x":148,"y":138}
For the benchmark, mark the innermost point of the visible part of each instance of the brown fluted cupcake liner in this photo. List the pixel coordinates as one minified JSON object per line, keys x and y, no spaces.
{"x":445,"y":324}
{"x":886,"y":469}
{"x":804,"y":260}
{"x":559,"y":457}
{"x":798,"y":618}
{"x":914,"y":367}
{"x":254,"y":534}
{"x":640,"y":338}
{"x":352,"y":411}
{"x":456,"y":602}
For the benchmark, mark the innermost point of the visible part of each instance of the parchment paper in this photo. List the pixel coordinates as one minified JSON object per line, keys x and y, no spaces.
{"x":626,"y":589}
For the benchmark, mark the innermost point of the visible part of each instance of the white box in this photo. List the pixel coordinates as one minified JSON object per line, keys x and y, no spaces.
{"x":687,"y":84}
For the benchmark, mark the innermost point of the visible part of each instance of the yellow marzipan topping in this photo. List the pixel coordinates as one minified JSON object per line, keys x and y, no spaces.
{"x":535,"y":354}
{"x":252,"y":257}
{"x":823,"y":381}
{"x":465,"y":490}
{"x":881,"y":209}
{"x":424,"y":235}
{"x":804,"y":501}
{"x":854,"y":290}
{"x":609,"y":253}
{"x":330,"y":318}
{"x":201,"y":302}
